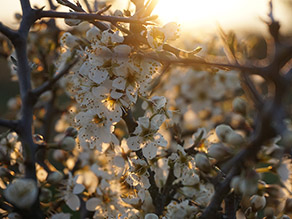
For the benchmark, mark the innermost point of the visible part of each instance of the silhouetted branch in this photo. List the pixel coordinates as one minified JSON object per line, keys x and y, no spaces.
{"x":11,"y":124}
{"x":11,"y":34}
{"x":221,"y":191}
{"x":74,"y":7}
{"x":88,"y":17}
{"x":251,"y":91}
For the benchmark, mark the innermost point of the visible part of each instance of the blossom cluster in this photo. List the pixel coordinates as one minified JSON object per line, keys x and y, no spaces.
{"x":140,"y":138}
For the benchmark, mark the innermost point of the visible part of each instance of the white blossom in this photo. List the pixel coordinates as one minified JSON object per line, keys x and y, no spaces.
{"x":22,"y":193}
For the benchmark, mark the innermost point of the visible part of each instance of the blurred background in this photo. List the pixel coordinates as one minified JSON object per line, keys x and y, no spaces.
{"x":196,"y":15}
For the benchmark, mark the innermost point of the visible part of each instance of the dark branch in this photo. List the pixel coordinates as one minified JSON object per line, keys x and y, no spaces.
{"x":199,"y":61}
{"x":74,"y":7}
{"x":221,"y":191}
{"x":52,"y":6}
{"x":251,"y":91}
{"x":11,"y":124}
{"x":88,"y":17}
{"x":10,"y":34}
{"x":25,"y":6}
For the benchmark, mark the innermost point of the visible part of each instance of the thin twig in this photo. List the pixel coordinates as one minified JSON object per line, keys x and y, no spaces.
{"x":251,"y":91}
{"x":88,"y":6}
{"x":49,"y":84}
{"x":199,"y":61}
{"x":221,"y":191}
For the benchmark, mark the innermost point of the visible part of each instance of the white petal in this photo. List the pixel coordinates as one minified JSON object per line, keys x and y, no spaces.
{"x":150,"y":150}
{"x":158,"y":102}
{"x":78,"y":188}
{"x":99,"y":92}
{"x":115,"y":114}
{"x":157,"y":121}
{"x":133,"y":143}
{"x":68,"y":40}
{"x":119,"y":83}
{"x":144,"y":122}
{"x":119,"y":161}
{"x":92,"y":203}
{"x":73,"y":202}
{"x":93,"y":34}
{"x":98,"y":75}
{"x":116,"y":38}
{"x":116,"y":95}
{"x":85,"y":68}
{"x":131,"y":94}
{"x":171,"y":31}
{"x":142,"y":194}
{"x":122,"y":49}
{"x":160,"y":140}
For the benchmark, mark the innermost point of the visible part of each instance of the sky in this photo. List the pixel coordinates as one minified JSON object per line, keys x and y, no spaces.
{"x":199,"y":14}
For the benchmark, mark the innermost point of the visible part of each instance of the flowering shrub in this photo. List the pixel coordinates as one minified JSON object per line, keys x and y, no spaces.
{"x":117,"y":123}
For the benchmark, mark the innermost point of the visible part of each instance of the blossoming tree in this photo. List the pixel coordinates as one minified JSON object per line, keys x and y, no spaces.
{"x":112,"y":121}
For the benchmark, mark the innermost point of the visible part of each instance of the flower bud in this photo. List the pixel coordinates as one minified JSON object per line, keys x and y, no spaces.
{"x":71,"y":131}
{"x":151,"y":216}
{"x":93,"y":34}
{"x":234,"y":139}
{"x":249,"y":184}
{"x":269,"y":212}
{"x":202,"y":162}
{"x":218,"y":151}
{"x":239,"y":106}
{"x":54,"y":177}
{"x":68,"y":40}
{"x":4,"y":172}
{"x":286,"y":140}
{"x":235,"y":184}
{"x":222,"y":131}
{"x":22,"y":193}
{"x":46,"y":96}
{"x":275,"y":191}
{"x":59,"y":155}
{"x":45,"y":195}
{"x":14,"y":215}
{"x":68,"y":143}
{"x":258,"y":202}
{"x":288,"y":206}
{"x":118,"y":13}
{"x":72,"y":22}
{"x":13,"y":103}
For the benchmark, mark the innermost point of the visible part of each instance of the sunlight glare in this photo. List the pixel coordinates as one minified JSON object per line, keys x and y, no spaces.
{"x":205,"y":12}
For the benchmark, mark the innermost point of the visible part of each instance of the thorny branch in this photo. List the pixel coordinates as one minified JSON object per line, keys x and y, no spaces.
{"x":9,"y":124}
{"x":269,"y":122}
{"x":87,"y":17}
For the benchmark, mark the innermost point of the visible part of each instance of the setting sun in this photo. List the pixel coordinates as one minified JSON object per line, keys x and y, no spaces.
{"x":209,"y":12}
